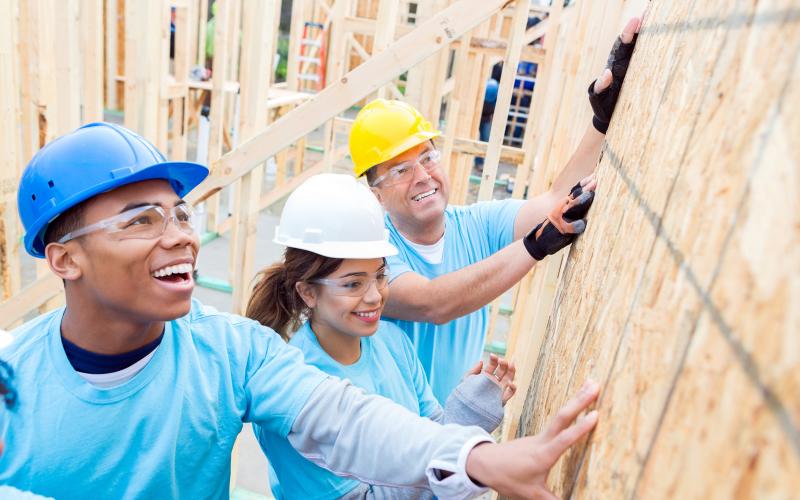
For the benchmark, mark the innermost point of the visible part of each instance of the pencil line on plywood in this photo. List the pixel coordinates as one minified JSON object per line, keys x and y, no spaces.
{"x":656,"y":220}
{"x":745,"y":359}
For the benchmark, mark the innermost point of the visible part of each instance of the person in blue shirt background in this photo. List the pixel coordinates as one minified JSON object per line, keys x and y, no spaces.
{"x":334,"y":286}
{"x":454,"y":260}
{"x":135,"y":390}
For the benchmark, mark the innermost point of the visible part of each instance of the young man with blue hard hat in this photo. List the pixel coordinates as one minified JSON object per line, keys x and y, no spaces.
{"x":134,"y":390}
{"x":454,"y":261}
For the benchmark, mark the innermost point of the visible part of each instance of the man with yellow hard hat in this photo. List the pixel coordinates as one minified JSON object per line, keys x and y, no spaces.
{"x":454,"y":260}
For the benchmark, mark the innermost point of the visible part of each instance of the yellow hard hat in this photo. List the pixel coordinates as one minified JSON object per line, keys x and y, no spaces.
{"x":384,"y":129}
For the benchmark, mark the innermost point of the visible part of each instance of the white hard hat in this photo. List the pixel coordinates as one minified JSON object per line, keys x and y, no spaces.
{"x":336,"y":216}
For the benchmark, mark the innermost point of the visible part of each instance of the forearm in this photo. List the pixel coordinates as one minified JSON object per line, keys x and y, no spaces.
{"x":370,"y":438}
{"x":461,"y":292}
{"x":581,"y":164}
{"x":475,"y":401}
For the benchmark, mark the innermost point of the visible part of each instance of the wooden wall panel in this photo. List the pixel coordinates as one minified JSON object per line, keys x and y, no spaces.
{"x":681,"y":298}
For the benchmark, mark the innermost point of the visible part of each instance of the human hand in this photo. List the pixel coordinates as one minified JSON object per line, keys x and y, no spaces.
{"x":519,"y":468}
{"x":502,"y":372}
{"x":604,"y":91}
{"x":564,"y":222}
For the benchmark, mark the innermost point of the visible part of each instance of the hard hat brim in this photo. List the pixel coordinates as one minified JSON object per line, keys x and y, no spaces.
{"x":412,"y":141}
{"x":344,"y":249}
{"x":183,"y":176}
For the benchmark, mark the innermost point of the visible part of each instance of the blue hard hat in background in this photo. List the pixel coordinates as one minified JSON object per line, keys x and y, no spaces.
{"x":96,"y":158}
{"x":491,"y":90}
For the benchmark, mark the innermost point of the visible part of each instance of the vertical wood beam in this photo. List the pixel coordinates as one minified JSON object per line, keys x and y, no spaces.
{"x":388,"y":13}
{"x":10,"y":160}
{"x":91,"y":33}
{"x":504,"y":93}
{"x":258,"y":48}
{"x":144,"y":23}
{"x":111,"y":68}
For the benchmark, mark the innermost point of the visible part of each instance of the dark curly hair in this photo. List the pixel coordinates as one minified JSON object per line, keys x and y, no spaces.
{"x":7,"y":391}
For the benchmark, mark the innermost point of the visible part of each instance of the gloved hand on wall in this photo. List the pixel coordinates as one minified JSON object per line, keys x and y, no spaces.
{"x":564,"y":223}
{"x":604,"y":91}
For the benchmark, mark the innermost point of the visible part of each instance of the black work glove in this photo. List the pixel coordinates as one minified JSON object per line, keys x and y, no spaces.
{"x":603,"y":103}
{"x":552,"y":240}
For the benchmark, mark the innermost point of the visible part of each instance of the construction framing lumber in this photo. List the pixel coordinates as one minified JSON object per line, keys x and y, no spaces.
{"x":395,"y":60}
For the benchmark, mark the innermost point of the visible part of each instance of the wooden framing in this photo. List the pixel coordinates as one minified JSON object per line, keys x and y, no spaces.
{"x":691,"y":320}
{"x":10,"y":274}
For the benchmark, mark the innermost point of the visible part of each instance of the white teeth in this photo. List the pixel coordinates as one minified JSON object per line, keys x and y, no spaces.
{"x":424,"y":195}
{"x":367,"y":315}
{"x":176,"y":269}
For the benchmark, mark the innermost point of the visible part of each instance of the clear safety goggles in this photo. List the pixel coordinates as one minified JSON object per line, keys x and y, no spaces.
{"x":356,"y":285}
{"x":146,"y":222}
{"x":404,"y":172}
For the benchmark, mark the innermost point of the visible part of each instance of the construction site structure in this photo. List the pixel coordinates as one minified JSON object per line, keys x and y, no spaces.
{"x":681,"y":298}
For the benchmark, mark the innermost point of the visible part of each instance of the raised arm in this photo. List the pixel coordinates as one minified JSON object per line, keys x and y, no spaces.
{"x":414,"y":297}
{"x":603,"y":95}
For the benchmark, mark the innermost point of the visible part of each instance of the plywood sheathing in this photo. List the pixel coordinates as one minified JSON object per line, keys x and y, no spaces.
{"x":678,"y":298}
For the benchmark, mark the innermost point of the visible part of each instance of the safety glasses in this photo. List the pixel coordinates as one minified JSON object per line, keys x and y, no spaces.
{"x":404,"y":172}
{"x":145,"y":222}
{"x":354,"y":286}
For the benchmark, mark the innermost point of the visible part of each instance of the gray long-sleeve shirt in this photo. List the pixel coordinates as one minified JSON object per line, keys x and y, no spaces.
{"x":476,"y":401}
{"x":339,"y":418}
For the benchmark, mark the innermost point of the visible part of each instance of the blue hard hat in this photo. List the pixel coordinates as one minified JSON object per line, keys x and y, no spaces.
{"x":491,"y":90}
{"x":96,"y":158}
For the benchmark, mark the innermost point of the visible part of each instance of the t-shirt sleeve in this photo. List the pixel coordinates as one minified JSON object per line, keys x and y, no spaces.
{"x":397,"y":266}
{"x":277,"y":381}
{"x":497,"y":219}
{"x":428,"y":405}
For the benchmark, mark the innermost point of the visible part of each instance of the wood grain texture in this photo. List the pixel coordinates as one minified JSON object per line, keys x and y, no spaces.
{"x":681,"y":298}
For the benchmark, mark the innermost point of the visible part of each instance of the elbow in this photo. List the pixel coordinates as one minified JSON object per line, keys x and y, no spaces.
{"x":438,"y":314}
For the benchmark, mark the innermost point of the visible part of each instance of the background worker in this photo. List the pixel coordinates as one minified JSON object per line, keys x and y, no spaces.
{"x":333,"y":286}
{"x":454,"y":261}
{"x":137,"y":391}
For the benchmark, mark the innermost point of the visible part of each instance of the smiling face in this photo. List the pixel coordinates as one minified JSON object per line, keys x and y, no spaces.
{"x":419,"y":203}
{"x":133,"y":279}
{"x":333,"y":314}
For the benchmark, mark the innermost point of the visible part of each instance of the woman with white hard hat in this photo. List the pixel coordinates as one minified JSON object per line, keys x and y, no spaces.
{"x":332,"y":285}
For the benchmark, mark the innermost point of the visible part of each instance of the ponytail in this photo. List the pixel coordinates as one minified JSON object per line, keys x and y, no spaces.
{"x":275,"y":302}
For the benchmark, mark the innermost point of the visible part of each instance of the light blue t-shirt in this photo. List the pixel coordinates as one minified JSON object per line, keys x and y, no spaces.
{"x":388,"y":367}
{"x":166,"y":433}
{"x":472,"y":233}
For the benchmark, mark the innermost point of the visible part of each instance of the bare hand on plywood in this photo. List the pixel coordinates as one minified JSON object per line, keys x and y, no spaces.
{"x":519,"y":468}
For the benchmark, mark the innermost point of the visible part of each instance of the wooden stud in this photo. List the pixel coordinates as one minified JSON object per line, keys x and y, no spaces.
{"x":222,"y":27}
{"x":384,"y":31}
{"x":144,"y":22}
{"x":10,"y":143}
{"x":67,"y":66}
{"x":260,"y":24}
{"x":91,"y":32}
{"x":504,"y":94}
{"x":111,"y":68}
{"x":183,"y":60}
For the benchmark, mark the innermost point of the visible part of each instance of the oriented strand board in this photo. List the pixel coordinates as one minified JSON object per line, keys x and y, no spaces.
{"x":682,"y":297}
